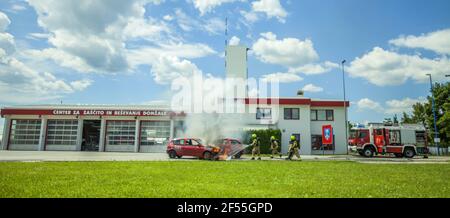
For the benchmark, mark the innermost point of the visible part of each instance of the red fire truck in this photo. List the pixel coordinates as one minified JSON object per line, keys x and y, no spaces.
{"x":405,"y":140}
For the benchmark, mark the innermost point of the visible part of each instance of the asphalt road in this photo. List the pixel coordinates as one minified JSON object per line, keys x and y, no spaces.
{"x":34,"y":156}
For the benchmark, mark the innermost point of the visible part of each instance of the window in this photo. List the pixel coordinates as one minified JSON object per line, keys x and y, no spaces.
{"x":322,"y":115}
{"x":291,"y":114}
{"x":313,"y":114}
{"x":362,"y":135}
{"x":178,"y":142}
{"x":330,"y":115}
{"x":155,"y":132}
{"x":25,"y":132}
{"x":263,"y":113}
{"x":120,"y":132}
{"x":62,"y":132}
{"x":316,"y":144}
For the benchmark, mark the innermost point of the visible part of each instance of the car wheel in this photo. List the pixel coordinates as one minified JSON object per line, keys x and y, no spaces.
{"x":172,"y":154}
{"x":207,"y":155}
{"x":398,"y":155}
{"x":409,"y":153}
{"x":238,"y":155}
{"x":361,"y":153}
{"x":368,"y":152}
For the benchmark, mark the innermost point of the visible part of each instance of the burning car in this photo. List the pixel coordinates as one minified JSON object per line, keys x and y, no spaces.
{"x":195,"y":147}
{"x":230,"y":147}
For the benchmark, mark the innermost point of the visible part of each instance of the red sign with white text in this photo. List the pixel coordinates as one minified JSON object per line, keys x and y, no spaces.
{"x":88,"y":112}
{"x":327,"y":135}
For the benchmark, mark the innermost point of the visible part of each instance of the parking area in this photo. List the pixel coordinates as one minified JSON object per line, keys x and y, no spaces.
{"x":35,"y":156}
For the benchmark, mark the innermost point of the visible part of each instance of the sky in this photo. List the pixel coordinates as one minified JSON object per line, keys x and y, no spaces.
{"x":128,"y":52}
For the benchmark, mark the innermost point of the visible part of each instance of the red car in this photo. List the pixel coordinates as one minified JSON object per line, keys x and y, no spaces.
{"x":180,"y":147}
{"x":230,"y":146}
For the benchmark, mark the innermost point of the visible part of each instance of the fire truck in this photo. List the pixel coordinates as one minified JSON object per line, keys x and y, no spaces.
{"x":404,"y":140}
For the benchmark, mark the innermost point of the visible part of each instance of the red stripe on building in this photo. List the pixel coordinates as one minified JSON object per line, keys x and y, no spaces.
{"x":296,"y":101}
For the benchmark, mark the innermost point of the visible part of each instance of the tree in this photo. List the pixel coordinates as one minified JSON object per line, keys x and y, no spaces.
{"x":422,"y":113}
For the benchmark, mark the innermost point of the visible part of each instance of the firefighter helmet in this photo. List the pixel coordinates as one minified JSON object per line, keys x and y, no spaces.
{"x":254,"y":136}
{"x":272,"y":138}
{"x":293,"y":137}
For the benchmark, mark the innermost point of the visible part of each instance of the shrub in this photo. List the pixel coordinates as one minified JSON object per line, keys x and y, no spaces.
{"x":264,"y":136}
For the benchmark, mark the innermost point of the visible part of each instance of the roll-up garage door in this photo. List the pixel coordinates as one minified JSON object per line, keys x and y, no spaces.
{"x":61,"y":135}
{"x":154,"y":136}
{"x":24,"y":135}
{"x":120,"y":135}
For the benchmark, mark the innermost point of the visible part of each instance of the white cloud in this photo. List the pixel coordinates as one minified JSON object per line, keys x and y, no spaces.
{"x":4,"y":22}
{"x":288,"y":52}
{"x":393,"y":106}
{"x":438,"y":41}
{"x":213,"y":26}
{"x":149,"y":55}
{"x":205,"y":6}
{"x":38,"y":36}
{"x":272,"y":8}
{"x":404,"y":105}
{"x":281,"y":77}
{"x":168,"y":17}
{"x":234,"y":41}
{"x":18,"y":7}
{"x":382,"y":68}
{"x":312,"y":88}
{"x":80,"y":85}
{"x":95,"y":32}
{"x":20,"y":83}
{"x":168,"y":68}
{"x":368,"y":104}
{"x":313,"y":69}
{"x":249,"y":16}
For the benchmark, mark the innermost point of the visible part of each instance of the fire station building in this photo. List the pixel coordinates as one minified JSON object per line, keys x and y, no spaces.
{"x":115,"y":128}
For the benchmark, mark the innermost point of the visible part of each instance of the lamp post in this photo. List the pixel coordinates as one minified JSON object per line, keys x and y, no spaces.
{"x":345,"y":105}
{"x":436,"y":134}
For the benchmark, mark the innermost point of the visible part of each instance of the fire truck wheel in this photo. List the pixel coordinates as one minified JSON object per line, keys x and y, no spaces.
{"x":409,"y":153}
{"x":172,"y":154}
{"x":368,"y":152}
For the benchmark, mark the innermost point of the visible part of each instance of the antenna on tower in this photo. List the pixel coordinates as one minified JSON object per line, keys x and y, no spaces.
{"x":226,"y":40}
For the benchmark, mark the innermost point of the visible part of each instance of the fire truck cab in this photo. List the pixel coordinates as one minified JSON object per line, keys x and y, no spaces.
{"x":406,"y":140}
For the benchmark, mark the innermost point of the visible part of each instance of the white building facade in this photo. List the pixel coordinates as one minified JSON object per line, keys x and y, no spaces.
{"x":115,"y":128}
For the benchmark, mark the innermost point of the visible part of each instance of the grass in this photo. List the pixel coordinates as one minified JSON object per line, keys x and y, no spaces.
{"x":223,"y":179}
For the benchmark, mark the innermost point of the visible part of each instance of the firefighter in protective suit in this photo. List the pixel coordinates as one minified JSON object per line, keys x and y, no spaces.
{"x":256,"y":147}
{"x":294,"y":148}
{"x":274,"y":147}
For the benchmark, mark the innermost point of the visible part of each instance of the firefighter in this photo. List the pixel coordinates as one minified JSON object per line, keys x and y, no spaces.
{"x":274,"y":147}
{"x":294,"y":148}
{"x":256,"y":147}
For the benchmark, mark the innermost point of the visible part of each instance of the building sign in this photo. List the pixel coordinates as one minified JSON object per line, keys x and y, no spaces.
{"x":327,"y":135}
{"x":89,"y":112}
{"x":111,"y":112}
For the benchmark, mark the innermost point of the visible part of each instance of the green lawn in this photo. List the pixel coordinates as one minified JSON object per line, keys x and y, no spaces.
{"x":223,"y":179}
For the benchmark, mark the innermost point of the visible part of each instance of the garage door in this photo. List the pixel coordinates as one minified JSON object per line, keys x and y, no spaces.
{"x":61,"y":135}
{"x":154,"y":136}
{"x":24,"y":135}
{"x":120,"y":135}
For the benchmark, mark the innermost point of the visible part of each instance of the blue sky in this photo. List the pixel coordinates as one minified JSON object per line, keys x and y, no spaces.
{"x":127,"y":52}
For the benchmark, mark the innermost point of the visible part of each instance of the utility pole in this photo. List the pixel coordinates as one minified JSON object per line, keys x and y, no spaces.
{"x":345,"y":105}
{"x":436,"y":133}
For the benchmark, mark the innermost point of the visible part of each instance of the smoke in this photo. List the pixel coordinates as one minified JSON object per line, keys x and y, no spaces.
{"x":214,"y":107}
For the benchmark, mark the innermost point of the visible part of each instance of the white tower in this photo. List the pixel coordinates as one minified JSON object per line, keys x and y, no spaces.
{"x":236,"y":62}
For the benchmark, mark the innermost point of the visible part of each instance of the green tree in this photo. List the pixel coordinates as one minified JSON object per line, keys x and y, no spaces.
{"x":423,"y":114}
